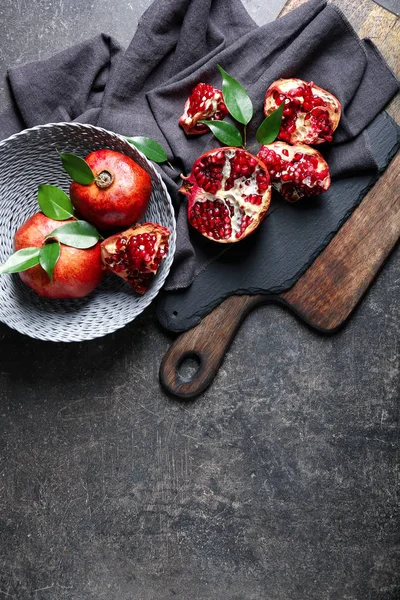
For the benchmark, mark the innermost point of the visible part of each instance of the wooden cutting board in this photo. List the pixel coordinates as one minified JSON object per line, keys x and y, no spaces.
{"x":327,"y":293}
{"x":324,"y":296}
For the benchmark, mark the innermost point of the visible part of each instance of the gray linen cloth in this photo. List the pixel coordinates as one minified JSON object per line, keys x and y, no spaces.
{"x":178,"y":43}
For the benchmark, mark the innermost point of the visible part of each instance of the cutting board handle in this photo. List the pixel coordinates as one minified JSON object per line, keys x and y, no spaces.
{"x":206,"y":344}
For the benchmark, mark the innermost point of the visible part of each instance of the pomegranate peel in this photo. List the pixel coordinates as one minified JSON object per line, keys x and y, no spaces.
{"x":136,"y":254}
{"x":311,"y":114}
{"x":229,"y":193}
{"x":296,"y":171}
{"x":77,"y":272}
{"x":120,"y":194}
{"x":204,"y":103}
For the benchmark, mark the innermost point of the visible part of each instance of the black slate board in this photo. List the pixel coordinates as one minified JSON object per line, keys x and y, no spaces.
{"x":392,"y":5}
{"x":284,"y":246}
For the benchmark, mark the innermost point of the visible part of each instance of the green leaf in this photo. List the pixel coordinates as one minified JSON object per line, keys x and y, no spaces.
{"x":226,"y":133}
{"x":77,"y":168}
{"x":54,"y":203}
{"x":269,"y":128}
{"x":150,"y":148}
{"x":48,"y":257}
{"x":78,"y":234}
{"x":21,"y":261}
{"x":236,"y":98}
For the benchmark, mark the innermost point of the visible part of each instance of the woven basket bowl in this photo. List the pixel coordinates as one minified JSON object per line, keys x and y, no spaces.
{"x":30,"y":158}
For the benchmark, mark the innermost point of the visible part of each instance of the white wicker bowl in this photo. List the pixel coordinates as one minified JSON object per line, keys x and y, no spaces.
{"x":30,"y":158}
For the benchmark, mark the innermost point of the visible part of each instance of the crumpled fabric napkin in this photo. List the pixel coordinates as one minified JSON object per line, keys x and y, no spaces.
{"x":178,"y":43}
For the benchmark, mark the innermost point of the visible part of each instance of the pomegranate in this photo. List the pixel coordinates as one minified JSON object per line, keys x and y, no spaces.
{"x":120,"y":194}
{"x":136,"y":254}
{"x":77,"y":272}
{"x":311,"y":114}
{"x":229,"y":193}
{"x":295,"y":171}
{"x":204,"y":103}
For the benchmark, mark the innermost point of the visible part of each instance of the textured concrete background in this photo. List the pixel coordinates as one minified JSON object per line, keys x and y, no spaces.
{"x":280,"y":483}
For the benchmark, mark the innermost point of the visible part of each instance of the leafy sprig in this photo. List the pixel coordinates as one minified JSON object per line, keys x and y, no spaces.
{"x":240,"y":107}
{"x":21,"y":260}
{"x":77,"y":168}
{"x":226,"y":133}
{"x":236,"y":98}
{"x":270,"y":127}
{"x":150,"y":148}
{"x":48,"y":257}
{"x":25,"y":259}
{"x":54,"y":203}
{"x":77,"y":234}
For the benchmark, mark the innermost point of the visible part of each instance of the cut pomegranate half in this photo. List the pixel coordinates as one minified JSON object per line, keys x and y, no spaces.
{"x":136,"y":254}
{"x":229,"y":193}
{"x":204,"y":103}
{"x":296,"y":171}
{"x":311,"y":114}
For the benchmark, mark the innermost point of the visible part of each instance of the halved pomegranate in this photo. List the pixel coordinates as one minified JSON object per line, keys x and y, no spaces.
{"x":204,"y":103}
{"x":229,"y":193}
{"x":296,"y":171}
{"x":311,"y":114}
{"x":136,"y":254}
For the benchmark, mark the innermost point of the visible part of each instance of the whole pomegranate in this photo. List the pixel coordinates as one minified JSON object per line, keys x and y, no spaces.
{"x":311,"y":114}
{"x":229,"y":193}
{"x":77,"y":271}
{"x":120,"y":194}
{"x":295,"y":171}
{"x":204,"y":103}
{"x":136,"y":254}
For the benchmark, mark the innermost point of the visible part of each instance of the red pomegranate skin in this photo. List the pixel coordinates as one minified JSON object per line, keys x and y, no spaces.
{"x":77,"y":272}
{"x":122,"y":203}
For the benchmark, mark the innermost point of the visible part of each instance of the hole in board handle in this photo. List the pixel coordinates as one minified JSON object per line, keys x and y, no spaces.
{"x":189,"y":366}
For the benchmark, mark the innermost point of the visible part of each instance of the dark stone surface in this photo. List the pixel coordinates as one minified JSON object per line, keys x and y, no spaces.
{"x":279,"y":483}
